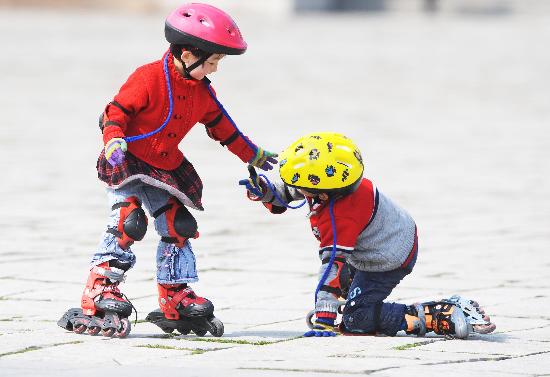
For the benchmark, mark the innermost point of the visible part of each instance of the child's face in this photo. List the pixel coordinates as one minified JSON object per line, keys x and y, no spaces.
{"x":208,"y":67}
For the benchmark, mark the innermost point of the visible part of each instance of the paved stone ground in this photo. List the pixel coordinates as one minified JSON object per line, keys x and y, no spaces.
{"x":452,"y":117}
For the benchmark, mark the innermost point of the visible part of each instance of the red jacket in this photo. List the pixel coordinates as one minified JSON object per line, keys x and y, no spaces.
{"x":142,"y":104}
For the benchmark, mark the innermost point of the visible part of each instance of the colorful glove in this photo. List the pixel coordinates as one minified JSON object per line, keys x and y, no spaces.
{"x":323,"y":328}
{"x":254,"y":184}
{"x":263,"y":159}
{"x":114,"y":151}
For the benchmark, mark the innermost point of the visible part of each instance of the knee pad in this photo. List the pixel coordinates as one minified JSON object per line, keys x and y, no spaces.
{"x":132,"y":224}
{"x":181,"y":224}
{"x":121,"y":265}
{"x":363,"y":317}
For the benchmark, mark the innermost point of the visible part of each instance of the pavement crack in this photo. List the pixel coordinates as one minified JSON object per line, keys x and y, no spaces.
{"x":240,"y":341}
{"x":194,"y":351}
{"x":328,"y":371}
{"x":40,"y":280}
{"x":273,"y":323}
{"x":480,"y":359}
{"x":416,"y":344}
{"x":36,"y":348}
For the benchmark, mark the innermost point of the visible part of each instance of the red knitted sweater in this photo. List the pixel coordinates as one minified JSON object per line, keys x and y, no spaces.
{"x":142,"y":105}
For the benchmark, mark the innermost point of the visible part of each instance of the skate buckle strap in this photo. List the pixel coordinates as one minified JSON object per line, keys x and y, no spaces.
{"x":180,"y":295}
{"x":169,"y":303}
{"x":114,"y":274}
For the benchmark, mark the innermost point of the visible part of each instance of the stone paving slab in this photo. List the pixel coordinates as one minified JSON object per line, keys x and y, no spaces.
{"x":451,"y":113}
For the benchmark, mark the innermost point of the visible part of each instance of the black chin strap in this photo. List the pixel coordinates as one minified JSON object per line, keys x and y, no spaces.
{"x":187,"y":70}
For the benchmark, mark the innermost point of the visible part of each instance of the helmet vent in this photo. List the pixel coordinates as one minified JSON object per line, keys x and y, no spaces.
{"x":186,"y":14}
{"x":204,"y":22}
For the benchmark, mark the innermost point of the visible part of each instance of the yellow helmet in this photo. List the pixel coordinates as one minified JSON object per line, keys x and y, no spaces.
{"x":322,"y":162}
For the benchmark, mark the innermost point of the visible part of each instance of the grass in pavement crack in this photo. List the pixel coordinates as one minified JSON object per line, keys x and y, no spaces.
{"x":16,"y":318}
{"x":36,"y":348}
{"x":194,"y":351}
{"x":238,"y":341}
{"x":413,"y":345}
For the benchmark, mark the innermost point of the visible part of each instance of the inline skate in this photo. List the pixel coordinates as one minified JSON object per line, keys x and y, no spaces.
{"x":182,"y":310}
{"x":104,"y":309}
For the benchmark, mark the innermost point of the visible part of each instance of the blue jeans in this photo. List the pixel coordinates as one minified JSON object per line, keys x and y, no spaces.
{"x":174,"y":264}
{"x":365,"y":311}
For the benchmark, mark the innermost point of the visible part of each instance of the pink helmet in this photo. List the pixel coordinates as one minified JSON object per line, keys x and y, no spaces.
{"x":205,"y":27}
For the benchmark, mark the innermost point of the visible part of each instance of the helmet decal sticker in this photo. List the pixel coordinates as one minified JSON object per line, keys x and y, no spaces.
{"x":315,"y":180}
{"x":345,"y":175}
{"x":298,"y":147}
{"x":329,"y":146}
{"x":358,"y":156}
{"x":314,"y":154}
{"x":316,"y":137}
{"x":330,"y":170}
{"x":295,"y":177}
{"x":282,"y":162}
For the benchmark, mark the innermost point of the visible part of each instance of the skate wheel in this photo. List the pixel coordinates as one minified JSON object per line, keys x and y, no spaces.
{"x":79,"y":329}
{"x":94,"y":330}
{"x":309,"y":319}
{"x":183,"y":331}
{"x":108,"y":332}
{"x":126,"y":327}
{"x":168,"y":330}
{"x":200,"y":332}
{"x":216,"y":327}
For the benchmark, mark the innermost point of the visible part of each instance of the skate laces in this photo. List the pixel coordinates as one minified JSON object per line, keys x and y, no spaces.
{"x":114,"y":289}
{"x":441,"y":324}
{"x":132,"y":305}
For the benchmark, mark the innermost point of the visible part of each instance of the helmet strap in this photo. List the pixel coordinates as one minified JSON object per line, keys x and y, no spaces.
{"x":187,"y":70}
{"x":177,"y":51}
{"x":196,"y":64}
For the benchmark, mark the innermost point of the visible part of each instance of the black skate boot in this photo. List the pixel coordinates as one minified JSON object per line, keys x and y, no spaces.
{"x":103,"y":307}
{"x":181,"y":309}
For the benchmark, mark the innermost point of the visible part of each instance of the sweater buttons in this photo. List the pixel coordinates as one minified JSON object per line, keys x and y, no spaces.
{"x":171,"y":134}
{"x":180,"y":97}
{"x":177,"y":116}
{"x":163,"y":154}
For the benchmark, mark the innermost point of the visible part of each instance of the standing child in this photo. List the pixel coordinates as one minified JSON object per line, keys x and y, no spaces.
{"x":143,"y":167}
{"x":359,"y":229}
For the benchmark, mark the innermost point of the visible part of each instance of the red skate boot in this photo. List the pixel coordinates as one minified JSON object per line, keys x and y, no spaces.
{"x":181,"y":309}
{"x":103,"y":307}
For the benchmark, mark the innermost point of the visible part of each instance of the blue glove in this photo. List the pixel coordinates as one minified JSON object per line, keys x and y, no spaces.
{"x":253,"y":184}
{"x":322,"y":328}
{"x":263,"y":159}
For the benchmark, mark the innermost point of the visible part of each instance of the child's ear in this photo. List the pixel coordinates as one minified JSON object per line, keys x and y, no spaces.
{"x":185,"y":55}
{"x":323,"y":196}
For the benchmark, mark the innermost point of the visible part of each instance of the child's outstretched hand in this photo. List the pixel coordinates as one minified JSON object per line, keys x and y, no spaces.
{"x":253,"y":184}
{"x":322,"y":329}
{"x":114,"y":151}
{"x":263,"y":159}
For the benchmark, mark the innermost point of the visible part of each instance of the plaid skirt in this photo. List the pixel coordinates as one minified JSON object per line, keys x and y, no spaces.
{"x":183,"y":182}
